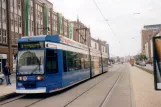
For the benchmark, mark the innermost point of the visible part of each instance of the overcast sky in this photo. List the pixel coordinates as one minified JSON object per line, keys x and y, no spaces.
{"x":120,"y":14}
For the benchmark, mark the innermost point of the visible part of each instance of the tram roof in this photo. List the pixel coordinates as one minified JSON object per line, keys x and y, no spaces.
{"x":51,"y":38}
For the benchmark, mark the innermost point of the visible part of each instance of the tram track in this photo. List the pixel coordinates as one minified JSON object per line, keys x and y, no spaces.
{"x":90,"y":89}
{"x":48,"y":96}
{"x":107,"y":97}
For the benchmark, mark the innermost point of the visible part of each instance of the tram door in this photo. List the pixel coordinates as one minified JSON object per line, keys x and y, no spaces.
{"x":53,"y":79}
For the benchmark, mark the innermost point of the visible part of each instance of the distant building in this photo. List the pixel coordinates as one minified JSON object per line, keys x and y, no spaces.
{"x":147,"y":33}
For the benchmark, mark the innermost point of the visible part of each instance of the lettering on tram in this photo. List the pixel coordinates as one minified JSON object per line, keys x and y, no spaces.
{"x":31,"y":45}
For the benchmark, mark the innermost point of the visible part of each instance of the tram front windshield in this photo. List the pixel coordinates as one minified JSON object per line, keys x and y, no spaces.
{"x":30,"y":62}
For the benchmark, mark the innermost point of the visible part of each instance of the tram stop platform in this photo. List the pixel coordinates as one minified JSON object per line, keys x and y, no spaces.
{"x":143,"y":88}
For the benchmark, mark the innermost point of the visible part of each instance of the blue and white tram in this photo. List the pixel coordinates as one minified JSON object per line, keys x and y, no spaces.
{"x":50,"y":63}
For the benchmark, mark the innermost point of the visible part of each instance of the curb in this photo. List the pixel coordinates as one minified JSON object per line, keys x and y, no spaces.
{"x":8,"y":96}
{"x":144,"y":69}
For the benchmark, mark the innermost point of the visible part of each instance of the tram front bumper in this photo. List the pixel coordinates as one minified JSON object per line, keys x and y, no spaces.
{"x":31,"y":91}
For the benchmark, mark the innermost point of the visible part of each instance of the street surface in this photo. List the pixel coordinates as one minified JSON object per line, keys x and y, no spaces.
{"x":123,"y":86}
{"x":102,"y":91}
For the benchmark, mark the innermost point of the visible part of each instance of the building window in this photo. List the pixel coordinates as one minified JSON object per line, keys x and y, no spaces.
{"x":4,"y":1}
{"x":31,"y":10}
{"x":4,"y":36}
{"x":16,"y":17}
{"x":55,"y":17}
{"x":18,"y":4}
{"x":65,"y":33}
{"x":15,"y":3}
{"x":4,"y":15}
{"x":32,"y":25}
{"x":11,"y":3}
{"x":0,"y":35}
{"x":31,"y":2}
{"x":20,"y":22}
{"x":13,"y":38}
{"x":12,"y":22}
{"x":65,"y":24}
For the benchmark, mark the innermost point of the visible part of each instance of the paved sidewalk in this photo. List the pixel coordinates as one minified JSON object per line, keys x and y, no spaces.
{"x":143,"y":87}
{"x":148,"y":67}
{"x":5,"y":90}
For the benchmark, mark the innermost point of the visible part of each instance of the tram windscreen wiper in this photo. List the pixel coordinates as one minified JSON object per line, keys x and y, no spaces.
{"x":36,"y":67}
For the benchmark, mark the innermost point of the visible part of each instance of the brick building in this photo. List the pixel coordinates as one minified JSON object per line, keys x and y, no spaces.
{"x":81,"y":32}
{"x":35,"y":17}
{"x":21,"y":18}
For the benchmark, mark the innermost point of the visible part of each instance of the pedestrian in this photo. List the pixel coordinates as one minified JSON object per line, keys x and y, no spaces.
{"x":6,"y":72}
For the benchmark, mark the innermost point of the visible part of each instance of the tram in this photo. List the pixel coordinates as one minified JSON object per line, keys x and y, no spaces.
{"x":47,"y":63}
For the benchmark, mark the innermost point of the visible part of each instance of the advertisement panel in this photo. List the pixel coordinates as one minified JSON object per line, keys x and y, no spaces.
{"x":60,"y":24}
{"x":71,"y":31}
{"x":157,"y":62}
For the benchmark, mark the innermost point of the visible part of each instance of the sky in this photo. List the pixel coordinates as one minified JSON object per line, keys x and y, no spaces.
{"x":125,"y":37}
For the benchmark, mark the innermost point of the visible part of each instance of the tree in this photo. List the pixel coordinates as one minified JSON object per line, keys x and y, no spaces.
{"x":140,"y":57}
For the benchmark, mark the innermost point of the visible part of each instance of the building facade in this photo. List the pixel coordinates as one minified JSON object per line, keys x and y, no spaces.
{"x":36,"y":17}
{"x":21,"y":18}
{"x":101,"y":46}
{"x":81,"y":32}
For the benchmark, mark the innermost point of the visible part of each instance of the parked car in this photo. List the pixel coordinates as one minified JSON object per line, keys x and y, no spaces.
{"x":148,"y":62}
{"x":1,"y":78}
{"x":137,"y":62}
{"x":143,"y":63}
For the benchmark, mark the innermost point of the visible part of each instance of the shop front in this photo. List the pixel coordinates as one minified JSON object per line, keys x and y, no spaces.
{"x":3,"y":58}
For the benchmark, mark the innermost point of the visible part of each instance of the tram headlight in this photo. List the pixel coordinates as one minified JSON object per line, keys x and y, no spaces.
{"x":40,"y":77}
{"x":19,"y":78}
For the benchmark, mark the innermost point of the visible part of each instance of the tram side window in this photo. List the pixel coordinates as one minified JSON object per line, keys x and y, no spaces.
{"x":105,"y":62}
{"x":92,"y":62}
{"x":74,"y":61}
{"x":100,"y":62}
{"x":51,"y":61}
{"x":70,"y":60}
{"x":86,"y":64}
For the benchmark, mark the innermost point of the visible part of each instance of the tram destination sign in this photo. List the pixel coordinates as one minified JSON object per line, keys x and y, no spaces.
{"x":31,"y":45}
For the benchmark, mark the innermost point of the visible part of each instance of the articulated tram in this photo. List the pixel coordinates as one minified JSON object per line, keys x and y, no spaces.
{"x":47,"y":64}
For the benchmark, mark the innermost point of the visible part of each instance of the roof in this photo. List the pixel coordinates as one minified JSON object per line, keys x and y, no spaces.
{"x":155,"y":25}
{"x":51,"y":38}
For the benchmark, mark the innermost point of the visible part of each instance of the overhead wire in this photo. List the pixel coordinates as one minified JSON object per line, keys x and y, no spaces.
{"x":104,"y":17}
